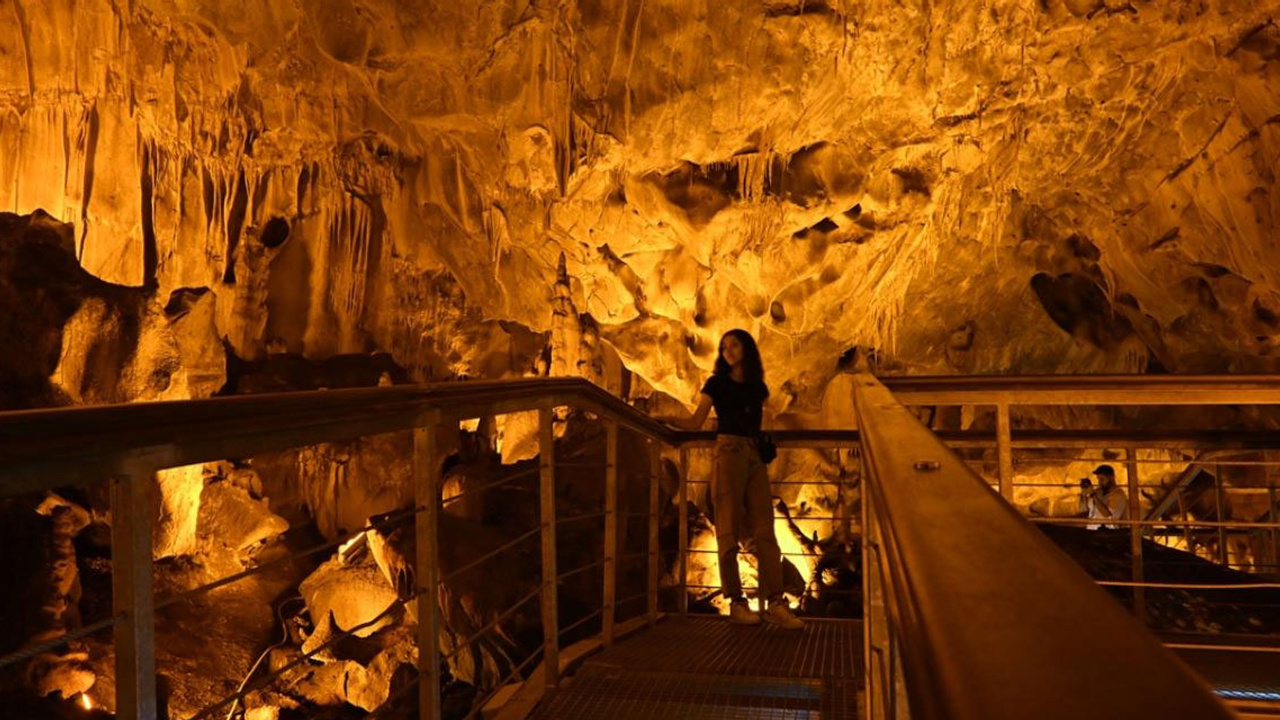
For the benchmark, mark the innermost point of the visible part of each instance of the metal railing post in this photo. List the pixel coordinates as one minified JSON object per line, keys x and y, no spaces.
{"x":426,"y":498}
{"x":891,"y":682}
{"x":1275,"y":541}
{"x":682,"y":561}
{"x":867,"y":611}
{"x":1004,"y":450}
{"x":1222,"y":531}
{"x":1269,"y":477}
{"x":1135,"y":533}
{"x":547,"y":498}
{"x":610,"y":531}
{"x":132,"y":514}
{"x":1187,"y":537}
{"x":842,"y":497}
{"x":655,"y":467}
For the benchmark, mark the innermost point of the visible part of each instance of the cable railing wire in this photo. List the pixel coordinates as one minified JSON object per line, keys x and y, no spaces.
{"x":580,"y":518}
{"x":1192,"y":586}
{"x":93,"y":628}
{"x":493,"y":623}
{"x":393,"y":697}
{"x":1205,"y":464}
{"x":531,"y":472}
{"x":632,"y":598}
{"x":479,"y":704}
{"x":823,"y":591}
{"x":1226,"y":524}
{"x":815,"y":555}
{"x":263,"y":655}
{"x":390,"y":519}
{"x":279,"y":672}
{"x":28,"y":653}
{"x":489,"y":555}
{"x":580,"y":622}
{"x":570,"y":573}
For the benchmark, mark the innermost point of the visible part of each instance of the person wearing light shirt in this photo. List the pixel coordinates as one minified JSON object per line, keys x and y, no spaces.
{"x":1105,"y":502}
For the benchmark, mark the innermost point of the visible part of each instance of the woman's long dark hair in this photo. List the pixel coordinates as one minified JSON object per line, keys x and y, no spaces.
{"x":752,"y":366}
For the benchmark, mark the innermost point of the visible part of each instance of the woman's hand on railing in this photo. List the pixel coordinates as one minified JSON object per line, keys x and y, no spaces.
{"x":695,"y":421}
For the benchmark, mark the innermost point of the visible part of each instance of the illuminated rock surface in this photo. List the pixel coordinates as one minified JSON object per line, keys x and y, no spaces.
{"x":277,"y":195}
{"x":954,"y":186}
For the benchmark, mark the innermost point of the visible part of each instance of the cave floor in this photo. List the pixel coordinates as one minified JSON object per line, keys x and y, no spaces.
{"x":703,"y":667}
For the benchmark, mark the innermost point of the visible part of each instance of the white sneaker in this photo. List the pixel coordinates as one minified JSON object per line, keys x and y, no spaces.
{"x":782,"y":616}
{"x":741,"y":614}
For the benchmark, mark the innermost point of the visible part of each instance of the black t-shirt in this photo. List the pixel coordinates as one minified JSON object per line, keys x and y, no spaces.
{"x":738,"y":405}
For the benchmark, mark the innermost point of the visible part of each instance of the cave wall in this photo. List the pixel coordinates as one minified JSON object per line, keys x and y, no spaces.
{"x":987,"y":186}
{"x":293,"y":195}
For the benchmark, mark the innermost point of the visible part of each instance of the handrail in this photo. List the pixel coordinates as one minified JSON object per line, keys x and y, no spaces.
{"x":43,"y":448}
{"x":991,"y":619}
{"x":49,"y":447}
{"x":1170,"y":495}
{"x":1085,"y":389}
{"x":1188,"y":438}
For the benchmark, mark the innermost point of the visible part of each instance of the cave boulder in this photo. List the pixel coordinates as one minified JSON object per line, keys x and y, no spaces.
{"x":353,"y":590}
{"x":230,"y":516}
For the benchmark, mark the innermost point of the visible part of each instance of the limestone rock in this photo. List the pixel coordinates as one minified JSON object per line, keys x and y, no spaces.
{"x":345,"y":485}
{"x":354,"y":592}
{"x":180,"y":490}
{"x":991,"y":186}
{"x":324,"y":684}
{"x":231,"y":517}
{"x":202,"y":369}
{"x":368,"y":686}
{"x":263,"y":712}
{"x":517,"y":435}
{"x":394,"y":554}
{"x":65,"y":670}
{"x":67,"y":674}
{"x":91,"y":341}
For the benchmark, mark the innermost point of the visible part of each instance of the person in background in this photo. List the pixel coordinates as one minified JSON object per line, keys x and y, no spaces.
{"x":1105,"y":502}
{"x":740,"y":486}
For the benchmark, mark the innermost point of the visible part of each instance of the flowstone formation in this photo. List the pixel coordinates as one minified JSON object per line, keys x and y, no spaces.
{"x":989,"y":186}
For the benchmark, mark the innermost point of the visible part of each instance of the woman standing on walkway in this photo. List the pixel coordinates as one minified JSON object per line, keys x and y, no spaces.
{"x":740,"y":487}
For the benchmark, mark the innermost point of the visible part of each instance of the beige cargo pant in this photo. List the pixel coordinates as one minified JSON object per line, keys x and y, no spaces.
{"x":744,"y":510}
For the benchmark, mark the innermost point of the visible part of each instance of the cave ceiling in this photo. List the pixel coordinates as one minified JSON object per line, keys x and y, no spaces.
{"x":955,"y":187}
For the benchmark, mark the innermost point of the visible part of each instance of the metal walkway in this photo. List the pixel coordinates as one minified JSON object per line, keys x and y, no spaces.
{"x":691,"y":667}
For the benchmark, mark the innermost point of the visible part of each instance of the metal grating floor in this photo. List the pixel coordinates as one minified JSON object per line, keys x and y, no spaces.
{"x":689,"y":668}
